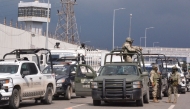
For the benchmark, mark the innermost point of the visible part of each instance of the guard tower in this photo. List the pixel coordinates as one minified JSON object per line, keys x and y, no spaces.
{"x":33,"y":14}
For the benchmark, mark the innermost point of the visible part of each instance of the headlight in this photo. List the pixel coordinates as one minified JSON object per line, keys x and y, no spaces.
{"x":61,"y":80}
{"x":6,"y":81}
{"x":59,"y":84}
{"x":94,"y":85}
{"x":137,"y":84}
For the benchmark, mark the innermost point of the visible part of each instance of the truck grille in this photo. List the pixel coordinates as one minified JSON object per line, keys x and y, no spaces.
{"x":115,"y":88}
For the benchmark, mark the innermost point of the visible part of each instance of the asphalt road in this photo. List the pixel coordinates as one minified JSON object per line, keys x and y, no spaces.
{"x":86,"y":103}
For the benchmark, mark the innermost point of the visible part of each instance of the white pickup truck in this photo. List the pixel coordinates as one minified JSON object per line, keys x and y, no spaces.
{"x":21,"y":79}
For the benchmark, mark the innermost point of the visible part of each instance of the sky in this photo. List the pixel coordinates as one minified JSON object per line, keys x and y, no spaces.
{"x":170,"y":19}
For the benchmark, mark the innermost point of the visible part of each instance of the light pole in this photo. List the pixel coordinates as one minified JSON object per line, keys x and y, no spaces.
{"x":114,"y":22}
{"x":145,"y":34}
{"x":154,"y":43}
{"x":130,"y":26}
{"x":140,"y":40}
{"x":47,"y":27}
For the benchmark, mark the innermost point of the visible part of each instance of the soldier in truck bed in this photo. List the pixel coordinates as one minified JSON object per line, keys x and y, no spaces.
{"x":128,"y":48}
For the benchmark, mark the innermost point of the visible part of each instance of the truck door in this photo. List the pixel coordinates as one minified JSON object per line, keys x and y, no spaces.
{"x":84,"y":75}
{"x":26,"y":82}
{"x":36,"y":79}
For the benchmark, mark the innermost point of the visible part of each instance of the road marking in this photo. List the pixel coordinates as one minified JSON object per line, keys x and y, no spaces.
{"x":171,"y":107}
{"x":75,"y":106}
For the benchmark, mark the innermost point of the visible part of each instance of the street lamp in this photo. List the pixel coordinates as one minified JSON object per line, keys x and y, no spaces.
{"x":130,"y":26}
{"x":114,"y":22}
{"x":145,"y":33}
{"x":154,"y":43}
{"x":140,"y":40}
{"x":47,"y":27}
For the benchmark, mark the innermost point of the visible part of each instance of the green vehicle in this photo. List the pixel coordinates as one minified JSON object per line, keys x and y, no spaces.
{"x":121,"y":81}
{"x":83,"y":76}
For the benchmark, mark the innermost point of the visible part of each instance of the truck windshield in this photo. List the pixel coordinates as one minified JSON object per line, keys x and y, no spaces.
{"x":8,"y":69}
{"x":170,"y":70}
{"x":68,"y":57}
{"x":58,"y":70}
{"x":148,"y":69}
{"x":53,"y":57}
{"x":119,"y":70}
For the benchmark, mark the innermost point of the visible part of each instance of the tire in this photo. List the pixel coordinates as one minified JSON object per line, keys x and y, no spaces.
{"x":68,"y":93}
{"x":14,"y":101}
{"x":160,"y":95}
{"x":48,"y":96}
{"x":166,"y":92}
{"x":96,"y":102}
{"x":146,"y":97}
{"x":139,"y":102}
{"x":183,"y":92}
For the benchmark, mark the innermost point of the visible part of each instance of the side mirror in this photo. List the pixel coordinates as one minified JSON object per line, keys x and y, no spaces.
{"x":144,"y":74}
{"x":90,"y":75}
{"x":24,"y":73}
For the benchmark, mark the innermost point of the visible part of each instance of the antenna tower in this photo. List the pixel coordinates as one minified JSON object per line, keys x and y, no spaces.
{"x":66,"y":29}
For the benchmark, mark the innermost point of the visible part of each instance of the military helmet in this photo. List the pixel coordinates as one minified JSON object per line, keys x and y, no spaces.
{"x":128,"y":39}
{"x":154,"y":66}
{"x":174,"y":68}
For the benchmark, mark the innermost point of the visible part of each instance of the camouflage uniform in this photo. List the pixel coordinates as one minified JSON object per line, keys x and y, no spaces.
{"x":154,"y":79}
{"x":127,"y":48}
{"x":175,"y":78}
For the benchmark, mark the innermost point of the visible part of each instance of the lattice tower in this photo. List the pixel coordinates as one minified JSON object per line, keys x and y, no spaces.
{"x":66,"y":29}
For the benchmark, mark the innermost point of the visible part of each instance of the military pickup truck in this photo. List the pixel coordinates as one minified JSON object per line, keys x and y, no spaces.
{"x":121,"y":81}
{"x":21,"y":79}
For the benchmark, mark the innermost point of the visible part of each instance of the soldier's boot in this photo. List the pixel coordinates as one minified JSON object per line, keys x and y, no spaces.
{"x":175,"y":101}
{"x":155,"y":100}
{"x":169,"y":101}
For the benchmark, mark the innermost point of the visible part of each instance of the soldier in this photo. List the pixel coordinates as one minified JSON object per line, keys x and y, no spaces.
{"x":128,"y":48}
{"x":174,"y":80}
{"x":154,"y":77}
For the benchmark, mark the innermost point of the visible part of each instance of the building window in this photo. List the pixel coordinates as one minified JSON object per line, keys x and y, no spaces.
{"x":32,"y":11}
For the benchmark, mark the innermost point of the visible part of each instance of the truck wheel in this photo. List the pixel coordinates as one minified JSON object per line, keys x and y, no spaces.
{"x":183,"y":92}
{"x":68,"y":93}
{"x":139,"y":102}
{"x":146,"y":97}
{"x":48,"y":96}
{"x":166,"y":93}
{"x":14,"y":101}
{"x":160,"y":95}
{"x":96,"y":102}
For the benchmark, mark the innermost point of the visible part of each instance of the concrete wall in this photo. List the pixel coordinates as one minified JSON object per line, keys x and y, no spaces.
{"x":13,"y":38}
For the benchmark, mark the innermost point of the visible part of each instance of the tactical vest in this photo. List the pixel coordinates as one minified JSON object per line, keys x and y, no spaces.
{"x":174,"y":77}
{"x":156,"y":77}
